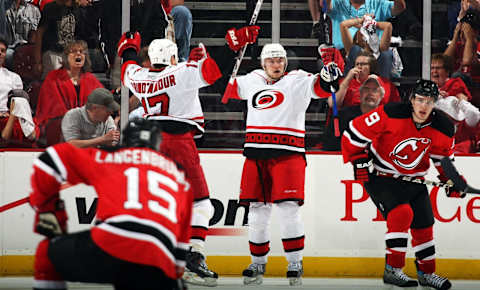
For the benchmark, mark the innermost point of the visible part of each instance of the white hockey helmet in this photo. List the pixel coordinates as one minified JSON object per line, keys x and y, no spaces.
{"x":273,"y":50}
{"x":160,"y":51}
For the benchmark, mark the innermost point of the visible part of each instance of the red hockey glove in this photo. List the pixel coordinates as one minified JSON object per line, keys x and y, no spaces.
{"x":330,"y":54}
{"x":237,"y":39}
{"x":198,"y":53}
{"x":361,"y":167}
{"x":51,"y":219}
{"x":129,"y":40}
{"x":329,"y":76}
{"x":452,"y":191}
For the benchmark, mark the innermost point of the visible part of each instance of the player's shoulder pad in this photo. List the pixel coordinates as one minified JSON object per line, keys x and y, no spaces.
{"x":442,"y":123}
{"x":398,"y":110}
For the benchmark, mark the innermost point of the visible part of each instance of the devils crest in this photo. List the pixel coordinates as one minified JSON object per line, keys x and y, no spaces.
{"x":409,"y":153}
{"x":266,"y":99}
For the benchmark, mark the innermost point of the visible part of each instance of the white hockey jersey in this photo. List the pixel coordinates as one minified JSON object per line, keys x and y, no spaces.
{"x":171,"y":93}
{"x":276,"y":112}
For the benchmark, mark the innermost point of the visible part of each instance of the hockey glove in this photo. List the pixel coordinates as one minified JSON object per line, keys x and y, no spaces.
{"x":330,"y":54}
{"x":361,"y":166}
{"x":329,"y":76}
{"x":51,"y":220}
{"x":198,"y":53}
{"x":452,"y":191}
{"x":129,"y":40}
{"x":237,"y":39}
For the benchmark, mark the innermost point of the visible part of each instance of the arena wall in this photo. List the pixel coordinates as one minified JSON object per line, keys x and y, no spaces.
{"x":344,"y":232}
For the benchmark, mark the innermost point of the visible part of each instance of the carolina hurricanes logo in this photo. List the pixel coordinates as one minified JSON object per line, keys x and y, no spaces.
{"x":267,"y":99}
{"x":408,"y":153}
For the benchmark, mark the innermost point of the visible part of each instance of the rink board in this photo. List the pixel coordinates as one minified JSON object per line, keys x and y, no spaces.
{"x":344,"y":233}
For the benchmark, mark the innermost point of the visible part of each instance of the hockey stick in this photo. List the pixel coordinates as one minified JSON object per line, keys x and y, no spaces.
{"x":253,"y":20}
{"x":13,"y":204}
{"x":452,"y":174}
{"x":328,"y":43}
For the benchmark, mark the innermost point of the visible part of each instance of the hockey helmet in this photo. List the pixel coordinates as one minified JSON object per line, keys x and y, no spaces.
{"x":160,"y":51}
{"x":273,"y":50}
{"x":426,"y":88}
{"x":142,"y":133}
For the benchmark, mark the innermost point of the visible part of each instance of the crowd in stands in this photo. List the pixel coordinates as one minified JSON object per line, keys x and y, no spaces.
{"x":59,"y":51}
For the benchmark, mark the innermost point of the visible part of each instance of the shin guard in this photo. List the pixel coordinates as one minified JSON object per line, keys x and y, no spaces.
{"x":45,"y":275}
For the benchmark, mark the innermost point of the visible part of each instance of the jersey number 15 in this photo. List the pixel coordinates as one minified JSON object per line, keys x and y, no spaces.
{"x":154,"y":179}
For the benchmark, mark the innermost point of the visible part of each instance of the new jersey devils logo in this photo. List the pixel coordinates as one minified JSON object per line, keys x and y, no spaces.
{"x":408,"y":153}
{"x":266,"y":99}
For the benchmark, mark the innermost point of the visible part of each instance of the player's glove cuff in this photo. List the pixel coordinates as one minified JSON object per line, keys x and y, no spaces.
{"x":361,"y":167}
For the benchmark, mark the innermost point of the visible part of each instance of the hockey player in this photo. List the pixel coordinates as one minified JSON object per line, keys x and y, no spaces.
{"x":168,"y":92}
{"x":141,"y":234}
{"x":274,"y":168}
{"x":400,"y":138}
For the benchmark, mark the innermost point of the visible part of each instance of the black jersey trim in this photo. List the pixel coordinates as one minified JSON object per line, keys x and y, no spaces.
{"x":143,"y":229}
{"x":47,"y":159}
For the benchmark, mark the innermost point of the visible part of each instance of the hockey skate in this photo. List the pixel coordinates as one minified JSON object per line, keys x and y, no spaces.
{"x":294,"y":273}
{"x":433,"y":280}
{"x":197,"y":272}
{"x":395,"y":276}
{"x":253,"y":275}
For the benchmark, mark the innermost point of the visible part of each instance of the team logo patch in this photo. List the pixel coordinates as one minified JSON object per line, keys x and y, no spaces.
{"x":267,"y":99}
{"x":409,"y":153}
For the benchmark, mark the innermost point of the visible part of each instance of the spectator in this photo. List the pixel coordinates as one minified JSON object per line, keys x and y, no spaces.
{"x":457,"y":10}
{"x":88,"y":29}
{"x":366,"y":39}
{"x":65,"y":89}
{"x":340,"y":10}
{"x":22,"y":18}
{"x":463,"y":46}
{"x":55,"y":30}
{"x":182,"y":19}
{"x":371,"y":94}
{"x":92,"y":125}
{"x":4,"y":4}
{"x":8,"y":79}
{"x":349,"y":94}
{"x":440,"y":70}
{"x":465,"y":117}
{"x":18,"y":130}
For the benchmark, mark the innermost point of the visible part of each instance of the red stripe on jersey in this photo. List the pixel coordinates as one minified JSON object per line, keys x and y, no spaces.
{"x":282,"y":139}
{"x":293,"y":244}
{"x":191,"y":65}
{"x":276,"y":128}
{"x":319,"y":91}
{"x":135,"y":251}
{"x":259,"y":250}
{"x":124,"y":68}
{"x":199,"y":233}
{"x":210,"y":71}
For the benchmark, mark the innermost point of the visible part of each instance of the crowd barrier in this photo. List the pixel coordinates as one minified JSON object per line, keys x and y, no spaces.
{"x":344,"y":232}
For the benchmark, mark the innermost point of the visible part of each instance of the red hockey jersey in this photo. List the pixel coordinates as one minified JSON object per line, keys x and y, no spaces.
{"x":144,"y":202}
{"x":397,"y":145}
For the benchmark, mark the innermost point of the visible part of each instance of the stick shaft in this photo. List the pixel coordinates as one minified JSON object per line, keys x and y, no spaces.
{"x":13,"y":204}
{"x":238,"y":62}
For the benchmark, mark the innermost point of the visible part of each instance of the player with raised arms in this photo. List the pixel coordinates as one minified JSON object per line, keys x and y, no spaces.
{"x":168,"y":92}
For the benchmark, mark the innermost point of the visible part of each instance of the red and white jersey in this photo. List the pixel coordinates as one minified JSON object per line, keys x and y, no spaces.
{"x":144,"y":202}
{"x":395,"y":143}
{"x":171,"y":93}
{"x":276,"y":111}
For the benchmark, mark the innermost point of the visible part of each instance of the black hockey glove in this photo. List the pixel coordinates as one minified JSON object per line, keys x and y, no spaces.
{"x":361,"y":166}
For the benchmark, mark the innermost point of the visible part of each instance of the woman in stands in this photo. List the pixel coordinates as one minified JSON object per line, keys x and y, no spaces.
{"x":64,"y":89}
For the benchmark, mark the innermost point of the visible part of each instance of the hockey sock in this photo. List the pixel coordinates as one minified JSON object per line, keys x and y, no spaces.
{"x":291,"y":230}
{"x":396,"y":238}
{"x":424,"y":247}
{"x":45,"y":275}
{"x":258,"y":231}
